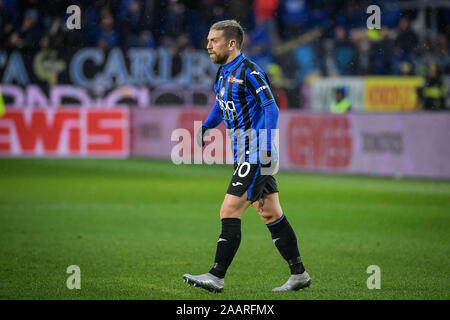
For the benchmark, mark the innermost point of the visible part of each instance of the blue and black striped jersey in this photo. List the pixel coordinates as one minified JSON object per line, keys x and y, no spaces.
{"x":242,"y":91}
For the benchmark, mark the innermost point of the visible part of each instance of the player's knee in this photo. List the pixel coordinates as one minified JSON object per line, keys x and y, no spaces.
{"x":229,"y":212}
{"x":224,"y":213}
{"x":267,"y":217}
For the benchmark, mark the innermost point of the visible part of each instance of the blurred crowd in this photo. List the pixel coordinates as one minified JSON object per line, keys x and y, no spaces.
{"x":274,"y":31}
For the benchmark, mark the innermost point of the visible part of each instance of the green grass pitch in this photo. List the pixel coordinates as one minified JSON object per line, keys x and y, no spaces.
{"x":135,"y":226}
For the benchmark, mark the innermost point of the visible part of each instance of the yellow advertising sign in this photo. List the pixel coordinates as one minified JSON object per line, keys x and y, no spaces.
{"x":391,"y":93}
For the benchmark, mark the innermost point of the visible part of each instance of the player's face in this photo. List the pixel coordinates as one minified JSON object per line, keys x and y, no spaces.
{"x":218,"y":48}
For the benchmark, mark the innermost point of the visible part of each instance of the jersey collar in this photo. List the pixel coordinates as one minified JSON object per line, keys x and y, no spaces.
{"x":230,"y":66}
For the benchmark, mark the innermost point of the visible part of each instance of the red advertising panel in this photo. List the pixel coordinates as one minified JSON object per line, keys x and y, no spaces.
{"x":64,"y":132}
{"x":319,"y":141}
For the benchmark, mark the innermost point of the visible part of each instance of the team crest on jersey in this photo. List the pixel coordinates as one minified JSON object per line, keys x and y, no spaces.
{"x":235,"y":80}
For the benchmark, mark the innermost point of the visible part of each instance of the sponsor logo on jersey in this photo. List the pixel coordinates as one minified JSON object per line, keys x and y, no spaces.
{"x":260,"y":89}
{"x":236,"y":80}
{"x":228,"y":109}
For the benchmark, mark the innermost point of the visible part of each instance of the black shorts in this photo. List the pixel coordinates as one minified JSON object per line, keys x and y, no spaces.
{"x":247,"y":177}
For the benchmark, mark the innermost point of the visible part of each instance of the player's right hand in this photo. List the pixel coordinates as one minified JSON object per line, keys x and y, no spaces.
{"x":200,"y":134}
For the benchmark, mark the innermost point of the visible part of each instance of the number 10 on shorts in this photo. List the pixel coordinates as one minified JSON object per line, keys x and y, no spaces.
{"x":242,"y":169}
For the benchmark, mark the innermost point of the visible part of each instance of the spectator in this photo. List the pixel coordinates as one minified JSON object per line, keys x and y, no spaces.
{"x":441,"y":54}
{"x":259,"y":55}
{"x":433,"y":94}
{"x":344,"y":53}
{"x":8,"y":19}
{"x":132,"y":24}
{"x":219,"y":13}
{"x":259,"y":45}
{"x":405,"y":45}
{"x":278,"y":82}
{"x":306,"y":60}
{"x":265,"y":11}
{"x":177,"y":47}
{"x":341,"y":104}
{"x":146,"y":39}
{"x":406,"y":69}
{"x":107,"y":37}
{"x":30,"y":32}
{"x":182,"y":43}
{"x":55,"y":36}
{"x":294,"y":17}
{"x":406,"y":39}
{"x":380,"y":52}
{"x":239,"y":9}
{"x":175,"y":19}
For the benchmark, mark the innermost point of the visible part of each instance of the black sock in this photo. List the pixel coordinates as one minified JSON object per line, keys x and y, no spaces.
{"x":286,"y":242}
{"x":227,"y":246}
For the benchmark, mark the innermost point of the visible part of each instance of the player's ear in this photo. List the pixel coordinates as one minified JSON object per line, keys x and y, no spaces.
{"x":232,"y":44}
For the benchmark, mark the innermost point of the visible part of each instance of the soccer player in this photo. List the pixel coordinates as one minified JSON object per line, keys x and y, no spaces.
{"x":245,"y":103}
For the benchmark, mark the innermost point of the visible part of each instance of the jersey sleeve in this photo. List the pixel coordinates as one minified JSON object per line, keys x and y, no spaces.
{"x":258,"y":85}
{"x":271,"y":113}
{"x":215,"y":116}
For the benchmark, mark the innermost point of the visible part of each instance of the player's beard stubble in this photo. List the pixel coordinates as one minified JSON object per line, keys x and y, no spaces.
{"x":218,"y":59}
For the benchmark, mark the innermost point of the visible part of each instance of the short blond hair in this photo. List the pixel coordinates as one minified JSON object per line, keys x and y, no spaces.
{"x":231,"y":30}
